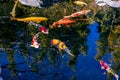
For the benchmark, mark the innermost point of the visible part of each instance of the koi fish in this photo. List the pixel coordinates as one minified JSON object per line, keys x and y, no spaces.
{"x":66,"y":22}
{"x":80,"y":3}
{"x":83,"y":12}
{"x":35,"y":3}
{"x":35,"y":43}
{"x":43,"y":30}
{"x":105,"y":66}
{"x":40,"y":27}
{"x":109,"y":2}
{"x":61,"y":46}
{"x":33,"y":19}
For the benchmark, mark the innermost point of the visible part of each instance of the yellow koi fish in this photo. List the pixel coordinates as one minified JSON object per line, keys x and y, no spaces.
{"x":80,"y":3}
{"x":61,"y":46}
{"x":33,"y":19}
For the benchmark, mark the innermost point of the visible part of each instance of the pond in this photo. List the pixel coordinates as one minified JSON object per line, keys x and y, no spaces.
{"x":89,"y":38}
{"x":87,"y":68}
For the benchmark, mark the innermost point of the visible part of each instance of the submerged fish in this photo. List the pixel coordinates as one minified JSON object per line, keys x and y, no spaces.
{"x":80,"y":3}
{"x":66,"y":22}
{"x":108,"y":2}
{"x":35,"y":43}
{"x":43,"y":30}
{"x":40,"y":27}
{"x":35,"y":3}
{"x":61,"y":46}
{"x":33,"y":19}
{"x":76,"y":14}
{"x":105,"y":66}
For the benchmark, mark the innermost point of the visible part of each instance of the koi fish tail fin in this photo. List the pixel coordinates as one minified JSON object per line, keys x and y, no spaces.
{"x":13,"y":18}
{"x":117,"y":77}
{"x":114,"y":74}
{"x":68,"y":51}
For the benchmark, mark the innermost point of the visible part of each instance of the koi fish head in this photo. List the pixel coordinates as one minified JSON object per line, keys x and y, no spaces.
{"x":58,"y":43}
{"x":86,"y":11}
{"x":43,"y":30}
{"x":54,"y":42}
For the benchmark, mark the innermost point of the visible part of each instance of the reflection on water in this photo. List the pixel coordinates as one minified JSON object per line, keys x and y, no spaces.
{"x":20,"y":61}
{"x":87,"y":68}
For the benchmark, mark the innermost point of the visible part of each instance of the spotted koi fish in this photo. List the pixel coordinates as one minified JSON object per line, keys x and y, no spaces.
{"x":76,"y":14}
{"x":40,"y":27}
{"x":33,"y":19}
{"x":61,"y":46}
{"x":35,"y":43}
{"x":105,"y":66}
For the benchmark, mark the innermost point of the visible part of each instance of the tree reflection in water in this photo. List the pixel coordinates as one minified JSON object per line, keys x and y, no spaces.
{"x":47,"y":61}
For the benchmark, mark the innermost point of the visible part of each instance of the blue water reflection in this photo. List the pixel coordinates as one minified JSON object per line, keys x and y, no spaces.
{"x":87,"y":68}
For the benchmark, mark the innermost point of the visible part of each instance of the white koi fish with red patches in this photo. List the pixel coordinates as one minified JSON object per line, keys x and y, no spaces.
{"x":41,"y":28}
{"x":105,"y":66}
{"x":35,"y":43}
{"x":76,"y":14}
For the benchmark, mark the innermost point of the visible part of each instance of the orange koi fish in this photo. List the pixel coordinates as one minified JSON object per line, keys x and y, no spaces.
{"x":76,"y":14}
{"x":61,"y":46}
{"x":105,"y":66}
{"x":35,"y":43}
{"x":66,"y":22}
{"x":80,"y":3}
{"x":33,"y":19}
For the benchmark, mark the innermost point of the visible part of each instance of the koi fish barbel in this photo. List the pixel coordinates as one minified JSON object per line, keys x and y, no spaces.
{"x":33,"y":19}
{"x":61,"y":46}
{"x":105,"y":66}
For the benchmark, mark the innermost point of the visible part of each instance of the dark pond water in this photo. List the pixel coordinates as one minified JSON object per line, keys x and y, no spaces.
{"x":87,"y":68}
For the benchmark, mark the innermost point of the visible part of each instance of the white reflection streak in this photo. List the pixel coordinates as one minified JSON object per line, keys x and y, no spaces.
{"x":35,"y":3}
{"x":108,"y":2}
